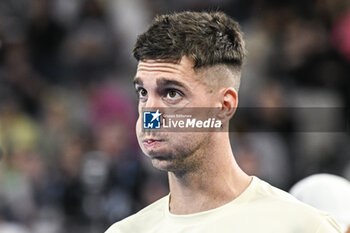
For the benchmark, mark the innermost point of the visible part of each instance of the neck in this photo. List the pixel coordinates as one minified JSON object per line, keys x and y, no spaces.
{"x":216,"y":182}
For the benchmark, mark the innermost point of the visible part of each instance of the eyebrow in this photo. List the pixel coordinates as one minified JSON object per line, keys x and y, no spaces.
{"x":162,"y":82}
{"x":169,"y":82}
{"x":138,"y":81}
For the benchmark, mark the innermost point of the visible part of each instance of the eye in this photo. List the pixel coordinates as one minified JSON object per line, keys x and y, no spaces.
{"x":173,"y":94}
{"x":142,"y":93}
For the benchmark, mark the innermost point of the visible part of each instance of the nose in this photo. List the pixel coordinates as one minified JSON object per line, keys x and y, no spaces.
{"x":153,"y":102}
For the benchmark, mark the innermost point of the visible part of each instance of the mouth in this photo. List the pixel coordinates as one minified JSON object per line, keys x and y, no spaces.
{"x":152,"y":142}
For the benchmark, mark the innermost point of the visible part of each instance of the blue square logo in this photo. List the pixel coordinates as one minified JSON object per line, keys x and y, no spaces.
{"x":151,"y":120}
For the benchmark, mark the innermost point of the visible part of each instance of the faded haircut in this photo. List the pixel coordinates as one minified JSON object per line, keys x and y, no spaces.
{"x":209,"y":39}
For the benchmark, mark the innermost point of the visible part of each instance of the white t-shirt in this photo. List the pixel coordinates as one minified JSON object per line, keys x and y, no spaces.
{"x":261,"y":208}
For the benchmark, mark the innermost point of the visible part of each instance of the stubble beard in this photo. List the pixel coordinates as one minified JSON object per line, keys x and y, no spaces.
{"x":185,"y":158}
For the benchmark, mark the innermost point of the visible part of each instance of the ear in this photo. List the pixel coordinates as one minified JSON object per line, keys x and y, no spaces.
{"x":229,"y":103}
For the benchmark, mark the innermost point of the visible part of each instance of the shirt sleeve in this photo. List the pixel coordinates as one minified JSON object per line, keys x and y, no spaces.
{"x":113,"y":229}
{"x":329,"y":225}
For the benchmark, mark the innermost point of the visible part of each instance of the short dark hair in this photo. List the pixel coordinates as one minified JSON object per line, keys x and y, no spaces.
{"x":207,"y":38}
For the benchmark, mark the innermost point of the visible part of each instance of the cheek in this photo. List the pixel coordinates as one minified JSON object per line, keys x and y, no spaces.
{"x":183,"y":141}
{"x":139,"y":120}
{"x":138,"y":126}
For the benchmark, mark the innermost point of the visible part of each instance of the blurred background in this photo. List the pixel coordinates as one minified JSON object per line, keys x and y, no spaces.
{"x":69,"y":157}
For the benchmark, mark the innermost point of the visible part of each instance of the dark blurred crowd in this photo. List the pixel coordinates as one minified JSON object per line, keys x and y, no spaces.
{"x":70,"y":161}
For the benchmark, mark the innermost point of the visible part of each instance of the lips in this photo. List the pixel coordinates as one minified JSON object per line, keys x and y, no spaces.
{"x":152,"y":142}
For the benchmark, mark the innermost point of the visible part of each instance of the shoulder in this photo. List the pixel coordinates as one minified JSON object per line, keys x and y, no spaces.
{"x":266,"y":194}
{"x":281,"y":205}
{"x":148,"y":216}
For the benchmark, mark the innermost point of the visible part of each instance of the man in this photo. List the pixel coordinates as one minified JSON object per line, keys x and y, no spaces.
{"x":194,"y":60}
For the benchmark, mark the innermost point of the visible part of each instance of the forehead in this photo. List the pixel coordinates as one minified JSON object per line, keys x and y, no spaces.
{"x":153,"y":69}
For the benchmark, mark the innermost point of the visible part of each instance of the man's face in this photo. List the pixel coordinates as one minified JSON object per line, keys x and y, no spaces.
{"x":169,"y":85}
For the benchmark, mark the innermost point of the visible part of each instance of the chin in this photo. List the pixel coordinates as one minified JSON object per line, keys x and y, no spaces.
{"x":158,"y":153}
{"x":163,"y":165}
